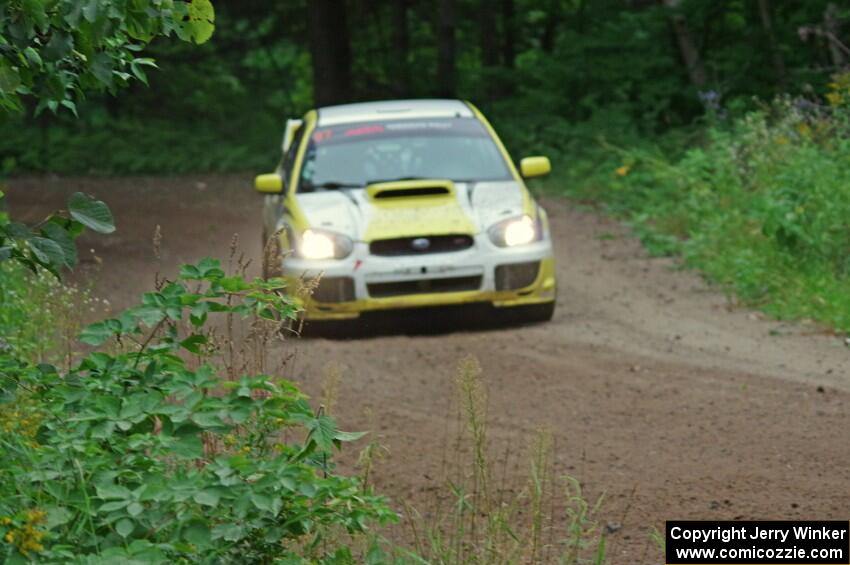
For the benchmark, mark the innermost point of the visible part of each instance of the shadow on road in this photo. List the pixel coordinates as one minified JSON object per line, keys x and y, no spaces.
{"x":416,"y":321}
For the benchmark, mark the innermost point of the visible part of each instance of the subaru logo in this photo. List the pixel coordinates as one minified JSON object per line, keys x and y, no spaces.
{"x":420,"y":243}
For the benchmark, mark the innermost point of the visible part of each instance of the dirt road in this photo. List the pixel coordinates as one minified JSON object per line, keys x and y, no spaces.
{"x":658,"y":392}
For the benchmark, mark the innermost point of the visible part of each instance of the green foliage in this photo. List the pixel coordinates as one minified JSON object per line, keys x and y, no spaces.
{"x":570,"y":71}
{"x":42,"y":315}
{"x":761,"y":207}
{"x":50,"y":244}
{"x":129,"y":144}
{"x":56,"y":50}
{"x":142,"y":453}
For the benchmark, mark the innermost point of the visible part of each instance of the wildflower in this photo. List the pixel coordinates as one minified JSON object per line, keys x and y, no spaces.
{"x":35,"y":516}
{"x":26,"y":538}
{"x":623,"y":171}
{"x":833,"y":98}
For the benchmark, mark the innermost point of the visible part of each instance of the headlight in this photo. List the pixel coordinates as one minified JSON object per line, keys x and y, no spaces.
{"x":320,"y":244}
{"x":514,"y":231}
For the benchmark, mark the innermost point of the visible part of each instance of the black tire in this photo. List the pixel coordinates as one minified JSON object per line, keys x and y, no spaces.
{"x":533,"y":313}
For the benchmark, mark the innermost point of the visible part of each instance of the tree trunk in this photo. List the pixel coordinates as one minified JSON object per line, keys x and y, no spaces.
{"x":776,"y":54}
{"x":550,"y":29}
{"x":833,"y":30}
{"x":400,"y":47}
{"x":687,"y":47}
{"x":446,"y":49}
{"x":487,"y":33}
{"x":330,"y":51}
{"x":508,"y":33}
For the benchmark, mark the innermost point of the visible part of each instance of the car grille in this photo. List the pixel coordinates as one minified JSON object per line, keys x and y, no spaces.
{"x":334,"y":289}
{"x":517,"y":275}
{"x":423,"y":286}
{"x":420,"y":245}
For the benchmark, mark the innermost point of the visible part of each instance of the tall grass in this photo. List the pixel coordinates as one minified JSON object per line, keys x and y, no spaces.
{"x":41,"y":316}
{"x":761,"y":206}
{"x":494,"y":518}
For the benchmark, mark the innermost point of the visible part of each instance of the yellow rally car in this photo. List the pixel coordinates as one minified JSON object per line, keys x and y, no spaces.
{"x":405,"y":204}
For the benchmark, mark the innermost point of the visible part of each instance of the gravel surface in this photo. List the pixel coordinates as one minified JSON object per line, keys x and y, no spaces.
{"x":657,"y":389}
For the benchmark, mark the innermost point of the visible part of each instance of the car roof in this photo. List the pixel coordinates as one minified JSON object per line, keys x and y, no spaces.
{"x":392,"y":110}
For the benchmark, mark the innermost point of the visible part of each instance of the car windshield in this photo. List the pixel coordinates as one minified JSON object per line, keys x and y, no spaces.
{"x":354,"y":155}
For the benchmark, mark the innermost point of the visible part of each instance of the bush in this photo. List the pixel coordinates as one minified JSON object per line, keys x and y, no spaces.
{"x":761,"y":207}
{"x":142,"y":452}
{"x":47,"y":333}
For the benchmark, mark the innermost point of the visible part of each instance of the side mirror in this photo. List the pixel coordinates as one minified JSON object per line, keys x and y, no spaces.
{"x":535,"y":167}
{"x":269,"y":184}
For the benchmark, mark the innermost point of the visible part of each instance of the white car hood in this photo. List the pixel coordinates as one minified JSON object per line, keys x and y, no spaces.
{"x":350,"y":212}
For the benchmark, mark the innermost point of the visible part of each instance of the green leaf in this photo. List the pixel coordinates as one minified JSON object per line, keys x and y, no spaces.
{"x":201,"y":18}
{"x":60,"y":45}
{"x":47,"y":251}
{"x":138,"y":71}
{"x":71,"y":106}
{"x":103,"y":430}
{"x":17,"y":230}
{"x":90,"y":10}
{"x":189,"y":447}
{"x":108,"y":490}
{"x":193,"y":343}
{"x":135,"y":509}
{"x":197,"y":533}
{"x":9,"y":78}
{"x":57,"y":516}
{"x":322,"y":431}
{"x":62,"y":238}
{"x":148,"y":315}
{"x":113,"y":506}
{"x":99,"y":332}
{"x":230,"y":532}
{"x":125,"y":527}
{"x":101,"y":68}
{"x":92,"y":213}
{"x":349,"y":436}
{"x":207,"y":498}
{"x":32,"y":57}
{"x":208,"y":420}
{"x":262,"y":502}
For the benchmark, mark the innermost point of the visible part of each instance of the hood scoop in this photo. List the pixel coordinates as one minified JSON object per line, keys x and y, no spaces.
{"x":421,"y":190}
{"x":408,"y":208}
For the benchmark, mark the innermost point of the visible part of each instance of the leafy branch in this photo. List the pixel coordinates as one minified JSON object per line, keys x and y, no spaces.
{"x":50,"y":244}
{"x":56,"y":50}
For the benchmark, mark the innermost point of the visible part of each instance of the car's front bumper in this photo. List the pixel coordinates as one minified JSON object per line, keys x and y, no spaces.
{"x":433,"y":279}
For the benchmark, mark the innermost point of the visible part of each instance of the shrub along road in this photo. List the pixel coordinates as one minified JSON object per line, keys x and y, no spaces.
{"x":658,"y":391}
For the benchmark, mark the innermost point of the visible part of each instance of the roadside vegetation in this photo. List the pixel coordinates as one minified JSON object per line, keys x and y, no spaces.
{"x":165,"y":434}
{"x":759,"y":204}
{"x":161,"y":445}
{"x":715,"y":128}
{"x":718,"y":130}
{"x":502,"y":505}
